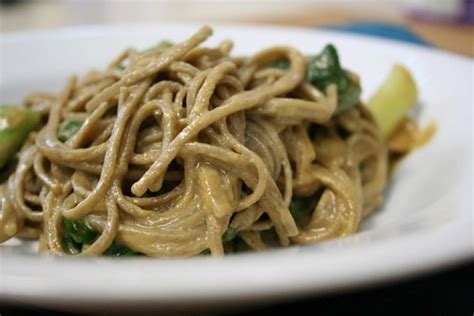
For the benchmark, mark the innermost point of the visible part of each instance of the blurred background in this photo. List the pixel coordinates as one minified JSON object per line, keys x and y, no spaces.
{"x":447,"y":24}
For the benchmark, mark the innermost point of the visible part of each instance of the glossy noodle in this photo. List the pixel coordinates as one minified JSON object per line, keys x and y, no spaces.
{"x":177,"y":146}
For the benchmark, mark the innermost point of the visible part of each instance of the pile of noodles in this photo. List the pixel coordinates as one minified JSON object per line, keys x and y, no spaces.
{"x":185,"y":142}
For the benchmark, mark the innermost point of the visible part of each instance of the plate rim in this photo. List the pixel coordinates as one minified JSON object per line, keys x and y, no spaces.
{"x":92,"y":28}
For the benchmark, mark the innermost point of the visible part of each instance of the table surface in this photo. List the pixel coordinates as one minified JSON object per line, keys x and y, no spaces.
{"x":28,"y":15}
{"x":453,"y":37}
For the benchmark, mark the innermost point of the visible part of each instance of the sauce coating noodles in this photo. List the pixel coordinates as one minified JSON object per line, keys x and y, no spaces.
{"x":178,"y":145}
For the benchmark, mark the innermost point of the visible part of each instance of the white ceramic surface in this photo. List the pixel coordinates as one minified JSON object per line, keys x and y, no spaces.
{"x":425,"y":223}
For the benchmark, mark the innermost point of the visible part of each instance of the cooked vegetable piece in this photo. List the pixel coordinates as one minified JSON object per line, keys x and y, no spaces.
{"x":280,"y":64}
{"x":325,"y":69}
{"x":15,"y":125}
{"x":393,"y":100}
{"x":78,"y":235}
{"x":68,"y":128}
{"x":229,"y":234}
{"x":118,"y":250}
{"x":80,"y":231}
{"x":69,"y":246}
{"x":205,"y":252}
{"x":236,"y":245}
{"x":301,"y":208}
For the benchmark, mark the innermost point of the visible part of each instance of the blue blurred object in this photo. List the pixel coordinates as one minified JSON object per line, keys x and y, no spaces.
{"x":438,"y":11}
{"x":390,"y":31}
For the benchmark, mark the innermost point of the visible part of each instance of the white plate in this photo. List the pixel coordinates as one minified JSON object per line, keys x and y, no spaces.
{"x":426,"y":222}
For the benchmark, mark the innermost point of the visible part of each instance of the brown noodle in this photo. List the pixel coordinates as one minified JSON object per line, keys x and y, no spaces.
{"x":186,"y":142}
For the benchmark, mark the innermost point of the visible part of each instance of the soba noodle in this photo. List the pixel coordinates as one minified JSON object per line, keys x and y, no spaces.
{"x":180,"y":144}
